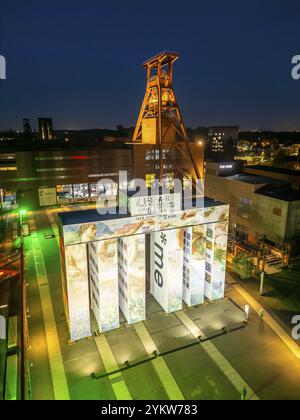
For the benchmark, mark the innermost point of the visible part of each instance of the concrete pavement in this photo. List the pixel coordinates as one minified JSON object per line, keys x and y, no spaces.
{"x":255,"y":354}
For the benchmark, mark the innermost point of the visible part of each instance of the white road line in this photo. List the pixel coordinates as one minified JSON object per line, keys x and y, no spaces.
{"x":117,"y":382}
{"x":160,"y":366}
{"x":59,"y":380}
{"x":232,"y":375}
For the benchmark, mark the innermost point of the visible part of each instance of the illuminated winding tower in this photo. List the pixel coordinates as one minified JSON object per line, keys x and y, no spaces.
{"x":160,"y":128}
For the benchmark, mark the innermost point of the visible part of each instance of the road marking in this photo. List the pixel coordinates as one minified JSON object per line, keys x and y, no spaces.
{"x":59,"y":380}
{"x":53,"y":225}
{"x":117,"y":382}
{"x":270,"y":321}
{"x":232,"y":375}
{"x":160,"y":366}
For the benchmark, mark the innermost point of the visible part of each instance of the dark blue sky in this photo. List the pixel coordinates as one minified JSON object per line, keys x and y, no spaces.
{"x":80,"y":61}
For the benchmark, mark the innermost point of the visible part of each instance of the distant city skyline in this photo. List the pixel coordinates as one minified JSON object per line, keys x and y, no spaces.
{"x":80,"y":63}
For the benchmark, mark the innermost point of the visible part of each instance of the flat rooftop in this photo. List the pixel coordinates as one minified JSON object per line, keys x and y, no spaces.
{"x":283,"y":193}
{"x":271,"y":169}
{"x":92,"y":216}
{"x":254,"y":179}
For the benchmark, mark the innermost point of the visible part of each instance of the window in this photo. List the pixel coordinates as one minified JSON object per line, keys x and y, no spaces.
{"x":65,"y":191}
{"x":277,"y":212}
{"x":93,"y":190}
{"x":81,"y":190}
{"x":244,"y":210}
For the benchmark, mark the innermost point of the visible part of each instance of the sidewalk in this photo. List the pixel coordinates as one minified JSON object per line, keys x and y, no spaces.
{"x":278,"y":308}
{"x":7,"y":243}
{"x":256,"y":303}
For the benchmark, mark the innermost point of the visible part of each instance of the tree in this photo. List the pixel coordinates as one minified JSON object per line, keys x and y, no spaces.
{"x":279,"y":158}
{"x":243,"y":266}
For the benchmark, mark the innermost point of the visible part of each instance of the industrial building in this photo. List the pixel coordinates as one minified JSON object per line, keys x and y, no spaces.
{"x":262,"y":207}
{"x":291,"y":176}
{"x":70,"y":175}
{"x":65,"y":176}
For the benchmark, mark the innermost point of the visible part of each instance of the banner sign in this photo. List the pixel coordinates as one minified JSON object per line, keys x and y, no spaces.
{"x":103,"y":270}
{"x":137,"y":225}
{"x":157,"y":204}
{"x":132,"y":282}
{"x":166,"y":269}
{"x":215,"y":265}
{"x":47,"y":197}
{"x":187,"y":262}
{"x":78,"y":292}
{"x":194,"y":265}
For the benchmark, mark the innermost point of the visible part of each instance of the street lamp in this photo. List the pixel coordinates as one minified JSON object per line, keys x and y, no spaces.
{"x":22,"y":214}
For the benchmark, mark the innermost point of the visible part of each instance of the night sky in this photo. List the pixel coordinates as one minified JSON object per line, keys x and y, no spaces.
{"x":79,"y":62}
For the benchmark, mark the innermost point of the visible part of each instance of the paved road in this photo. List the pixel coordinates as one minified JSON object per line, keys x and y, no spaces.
{"x":252,"y":355}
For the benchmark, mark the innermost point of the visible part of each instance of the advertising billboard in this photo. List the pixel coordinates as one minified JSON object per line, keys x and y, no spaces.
{"x":194,"y":245}
{"x":187,"y":262}
{"x":166,"y":269}
{"x":132,"y":281}
{"x":215,"y":265}
{"x":219,"y":262}
{"x":153,"y":205}
{"x":47,"y":197}
{"x":111,"y":228}
{"x":103,"y":271}
{"x":78,"y":291}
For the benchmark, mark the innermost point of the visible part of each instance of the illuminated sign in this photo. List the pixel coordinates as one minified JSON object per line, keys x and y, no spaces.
{"x":166,"y":269}
{"x":215,"y":265}
{"x":226,"y":166}
{"x":47,"y":197}
{"x":78,"y":291}
{"x":156,"y":204}
{"x":103,"y":271}
{"x":194,"y":246}
{"x":187,"y":262}
{"x":132,"y":281}
{"x":128,"y":226}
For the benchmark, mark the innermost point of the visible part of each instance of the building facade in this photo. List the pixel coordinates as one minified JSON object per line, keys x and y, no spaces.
{"x":260,"y":207}
{"x":291,"y":176}
{"x":222,"y":143}
{"x":61,"y":176}
{"x":40,"y":178}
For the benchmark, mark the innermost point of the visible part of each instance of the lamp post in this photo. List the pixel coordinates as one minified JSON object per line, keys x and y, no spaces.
{"x":22,"y":214}
{"x":262,"y":281}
